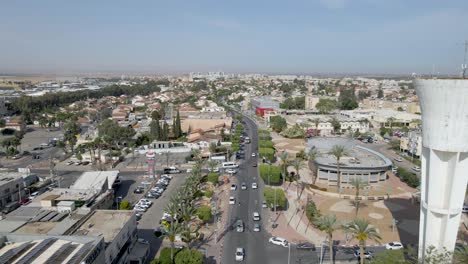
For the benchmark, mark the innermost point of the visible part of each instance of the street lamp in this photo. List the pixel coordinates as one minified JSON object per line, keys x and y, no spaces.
{"x":322,"y":251}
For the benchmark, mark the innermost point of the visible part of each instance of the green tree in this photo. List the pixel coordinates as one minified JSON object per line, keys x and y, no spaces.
{"x":338,"y":151}
{"x":390,"y":257}
{"x":2,"y":122}
{"x":336,"y":125}
{"x":311,"y":211}
{"x":326,"y":105}
{"x":358,"y":184}
{"x":347,"y":99}
{"x":284,"y":162}
{"x":270,"y":193}
{"x":72,"y":129}
{"x":311,"y":155}
{"x":278,"y":123}
{"x":328,"y":224}
{"x":177,"y":126}
{"x":165,"y":131}
{"x":212,"y":177}
{"x":297,"y":165}
{"x":125,"y":205}
{"x":362,"y":231}
{"x":204,"y":213}
{"x":380,"y":93}
{"x":189,"y":256}
{"x":155,"y":130}
{"x":316,"y":122}
{"x":460,"y":255}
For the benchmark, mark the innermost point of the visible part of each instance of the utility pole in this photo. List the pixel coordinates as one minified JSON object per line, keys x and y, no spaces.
{"x":464,"y":66}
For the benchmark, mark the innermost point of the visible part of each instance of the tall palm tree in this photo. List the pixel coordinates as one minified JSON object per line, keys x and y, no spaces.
{"x":358,"y":184}
{"x":316,"y":123}
{"x":362,"y":231}
{"x":328,"y":224}
{"x":311,"y":155}
{"x":171,"y":232}
{"x":297,"y":164}
{"x":338,"y":151}
{"x":284,"y":162}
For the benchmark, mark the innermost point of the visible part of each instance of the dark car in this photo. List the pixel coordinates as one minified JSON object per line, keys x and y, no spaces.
{"x":305,"y":246}
{"x":138,"y":190}
{"x":254,"y":165}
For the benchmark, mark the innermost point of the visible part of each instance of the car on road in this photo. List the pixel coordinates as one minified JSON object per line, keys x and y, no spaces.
{"x":233,"y":187}
{"x":143,"y":205}
{"x":239,"y":254}
{"x":239,"y":226}
{"x":69,"y":163}
{"x":244,"y":186}
{"x":188,"y":171}
{"x":215,"y":169}
{"x":146,"y":201}
{"x":305,"y":246}
{"x":394,"y":246}
{"x":398,"y":159}
{"x":416,"y":168}
{"x":254,"y":185}
{"x":77,"y":163}
{"x":253,"y":154}
{"x":256,"y":216}
{"x":264,"y":204}
{"x":152,"y":195}
{"x":231,"y":171}
{"x":367,"y":254}
{"x":232,"y":200}
{"x":17,"y":156}
{"x":138,"y":216}
{"x":256,"y":227}
{"x":279,"y":241}
{"x":171,"y":170}
{"x":255,"y":164}
{"x":167,"y":177}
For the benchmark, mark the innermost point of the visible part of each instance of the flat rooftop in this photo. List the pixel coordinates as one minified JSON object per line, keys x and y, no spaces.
{"x":107,"y":223}
{"x":95,"y":180}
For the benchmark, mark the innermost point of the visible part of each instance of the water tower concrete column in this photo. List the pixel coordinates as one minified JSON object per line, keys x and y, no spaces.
{"x":444,"y":171}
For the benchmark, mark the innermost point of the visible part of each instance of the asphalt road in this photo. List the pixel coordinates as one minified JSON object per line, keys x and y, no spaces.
{"x":256,"y":246}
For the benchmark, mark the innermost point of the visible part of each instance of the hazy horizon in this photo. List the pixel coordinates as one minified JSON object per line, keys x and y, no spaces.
{"x":360,"y":37}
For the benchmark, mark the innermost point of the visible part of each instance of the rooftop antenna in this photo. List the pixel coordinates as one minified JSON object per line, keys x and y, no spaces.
{"x":464,"y":66}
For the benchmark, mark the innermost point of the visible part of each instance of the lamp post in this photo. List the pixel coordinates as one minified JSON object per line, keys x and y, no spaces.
{"x":289,"y":253}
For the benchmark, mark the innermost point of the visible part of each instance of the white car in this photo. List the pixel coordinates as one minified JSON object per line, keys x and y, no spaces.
{"x":256,"y":216}
{"x":233,"y":187}
{"x":239,"y":254}
{"x":254,"y":185}
{"x":244,"y":186}
{"x":416,"y":168}
{"x":166,"y":176}
{"x":139,"y":208}
{"x":143,"y":205}
{"x":216,"y":169}
{"x":398,"y":159}
{"x":231,"y":171}
{"x":394,"y":245}
{"x":189,"y":170}
{"x":253,"y":154}
{"x":145,"y":201}
{"x":232,"y":200}
{"x":279,"y":241}
{"x":367,"y":254}
{"x":264,"y":204}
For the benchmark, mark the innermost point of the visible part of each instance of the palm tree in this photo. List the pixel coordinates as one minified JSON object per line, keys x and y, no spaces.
{"x":316,"y":123}
{"x":328,"y":224}
{"x":284,"y":162}
{"x":362,"y":231}
{"x":358,"y":184}
{"x":174,"y":229}
{"x":311,"y":155}
{"x":338,"y":151}
{"x":98,"y":142}
{"x":297,"y":164}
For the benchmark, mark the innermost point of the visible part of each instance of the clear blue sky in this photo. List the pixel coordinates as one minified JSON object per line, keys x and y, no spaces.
{"x":315,"y":36}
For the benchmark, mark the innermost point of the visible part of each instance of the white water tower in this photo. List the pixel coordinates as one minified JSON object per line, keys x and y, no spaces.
{"x":444,"y":170}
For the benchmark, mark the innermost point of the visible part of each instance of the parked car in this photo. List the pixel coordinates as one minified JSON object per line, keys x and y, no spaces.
{"x":69,"y":163}
{"x":305,"y":246}
{"x":367,"y":254}
{"x":152,"y":195}
{"x":215,"y":169}
{"x":398,"y":159}
{"x":139,"y":208}
{"x":264,"y":204}
{"x":232,"y":200}
{"x":166,"y":176}
{"x":279,"y":241}
{"x":146,"y":201}
{"x":138,"y":190}
{"x":239,"y":254}
{"x":231,"y":171}
{"x":394,"y":245}
{"x":233,"y":187}
{"x":25,"y":201}
{"x":171,"y":170}
{"x":416,"y":168}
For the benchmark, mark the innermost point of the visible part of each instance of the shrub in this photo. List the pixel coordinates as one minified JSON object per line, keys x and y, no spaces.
{"x":8,"y":131}
{"x":204,"y":213}
{"x":273,"y":171}
{"x":165,"y":256}
{"x":189,"y":256}
{"x":265,"y":144}
{"x":208,"y":193}
{"x":313,"y":186}
{"x":409,"y":178}
{"x":312,"y":212}
{"x":212,"y":177}
{"x":269,"y":194}
{"x":125,"y":205}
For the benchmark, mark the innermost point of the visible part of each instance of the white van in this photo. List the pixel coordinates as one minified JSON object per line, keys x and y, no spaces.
{"x":230,"y":165}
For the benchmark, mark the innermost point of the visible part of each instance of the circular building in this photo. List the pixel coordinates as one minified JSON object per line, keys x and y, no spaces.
{"x":357,"y":162}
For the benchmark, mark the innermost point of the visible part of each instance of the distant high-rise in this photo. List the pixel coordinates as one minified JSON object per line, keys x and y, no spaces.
{"x":444,"y":174}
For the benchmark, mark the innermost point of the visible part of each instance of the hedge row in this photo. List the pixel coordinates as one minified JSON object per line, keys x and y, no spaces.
{"x":273,"y":171}
{"x":409,"y":178}
{"x":269,"y":194}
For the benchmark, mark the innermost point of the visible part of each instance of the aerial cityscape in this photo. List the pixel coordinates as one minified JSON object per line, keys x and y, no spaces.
{"x":172,"y":132}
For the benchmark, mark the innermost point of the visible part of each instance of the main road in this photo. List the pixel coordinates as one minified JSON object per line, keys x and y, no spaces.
{"x":256,"y":246}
